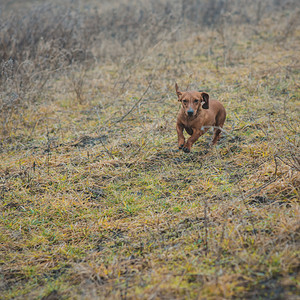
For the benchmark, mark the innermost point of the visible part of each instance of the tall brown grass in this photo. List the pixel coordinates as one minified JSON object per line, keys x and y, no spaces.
{"x":39,"y":43}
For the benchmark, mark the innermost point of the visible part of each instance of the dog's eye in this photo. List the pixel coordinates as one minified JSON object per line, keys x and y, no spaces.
{"x":196,"y":101}
{"x":184,"y":101}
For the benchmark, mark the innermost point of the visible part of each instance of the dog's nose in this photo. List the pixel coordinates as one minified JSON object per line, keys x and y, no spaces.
{"x":190,"y":112}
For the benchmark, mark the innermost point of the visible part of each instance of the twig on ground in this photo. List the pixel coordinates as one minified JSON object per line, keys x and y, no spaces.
{"x":206,"y":226}
{"x":220,"y":128}
{"x":134,"y":106}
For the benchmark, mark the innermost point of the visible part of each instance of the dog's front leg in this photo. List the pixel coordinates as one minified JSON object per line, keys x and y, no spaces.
{"x":193,"y":138}
{"x":181,"y":139}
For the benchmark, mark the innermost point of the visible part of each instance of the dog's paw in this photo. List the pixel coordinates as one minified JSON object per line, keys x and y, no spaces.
{"x":180,"y":147}
{"x":186,"y":150}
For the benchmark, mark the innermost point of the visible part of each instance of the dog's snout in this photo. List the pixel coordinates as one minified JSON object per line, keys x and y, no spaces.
{"x":190,"y":111}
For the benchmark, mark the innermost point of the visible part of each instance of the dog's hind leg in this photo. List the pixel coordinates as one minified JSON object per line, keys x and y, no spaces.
{"x":217,"y":133}
{"x":220,"y":119}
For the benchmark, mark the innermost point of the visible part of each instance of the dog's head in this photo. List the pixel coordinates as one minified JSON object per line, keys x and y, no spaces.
{"x":192,"y":101}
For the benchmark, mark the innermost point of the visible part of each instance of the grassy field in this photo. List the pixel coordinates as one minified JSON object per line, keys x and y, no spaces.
{"x":96,"y":201}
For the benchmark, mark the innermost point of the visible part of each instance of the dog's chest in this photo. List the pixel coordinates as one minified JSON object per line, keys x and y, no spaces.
{"x":189,"y":125}
{"x":189,"y":130}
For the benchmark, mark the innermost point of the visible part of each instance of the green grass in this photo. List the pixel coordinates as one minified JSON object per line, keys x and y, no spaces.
{"x":122,"y":214}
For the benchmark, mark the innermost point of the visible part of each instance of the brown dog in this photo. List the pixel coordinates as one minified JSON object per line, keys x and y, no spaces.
{"x":197,"y":114}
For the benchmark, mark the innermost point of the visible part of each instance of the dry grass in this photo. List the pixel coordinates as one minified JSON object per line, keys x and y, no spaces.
{"x":97,"y":203}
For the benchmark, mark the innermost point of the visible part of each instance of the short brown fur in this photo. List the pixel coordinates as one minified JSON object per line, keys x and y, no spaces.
{"x":197,"y":114}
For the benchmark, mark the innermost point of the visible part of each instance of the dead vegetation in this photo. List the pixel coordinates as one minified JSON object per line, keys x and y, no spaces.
{"x":97,"y":203}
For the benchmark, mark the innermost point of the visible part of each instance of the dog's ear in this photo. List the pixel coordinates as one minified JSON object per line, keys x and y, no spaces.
{"x":179,"y":94}
{"x":205,"y":100}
